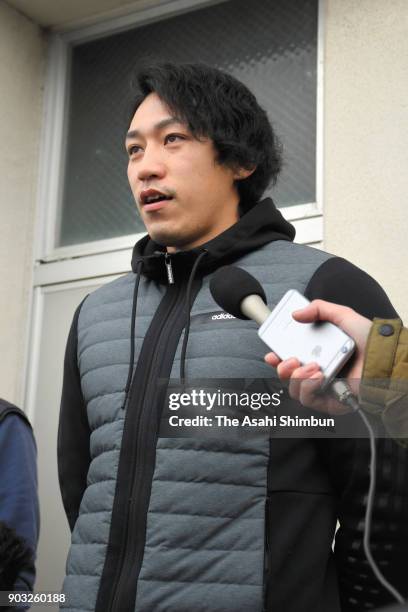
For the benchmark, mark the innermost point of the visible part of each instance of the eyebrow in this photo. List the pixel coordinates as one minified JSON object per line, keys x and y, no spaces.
{"x":156,"y":128}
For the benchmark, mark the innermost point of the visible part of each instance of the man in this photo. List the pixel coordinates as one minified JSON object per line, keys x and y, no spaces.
{"x":201,"y":524}
{"x":379,"y":373}
{"x":19,"y":512}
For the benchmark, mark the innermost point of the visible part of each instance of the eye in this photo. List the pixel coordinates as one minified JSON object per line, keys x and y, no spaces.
{"x":134,"y":150}
{"x":170,"y":138}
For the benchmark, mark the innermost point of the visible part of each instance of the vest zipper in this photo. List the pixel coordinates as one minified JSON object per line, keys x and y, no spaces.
{"x":169,"y":269}
{"x":142,"y":446}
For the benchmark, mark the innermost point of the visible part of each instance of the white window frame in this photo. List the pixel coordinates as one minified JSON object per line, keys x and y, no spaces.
{"x":62,"y":264}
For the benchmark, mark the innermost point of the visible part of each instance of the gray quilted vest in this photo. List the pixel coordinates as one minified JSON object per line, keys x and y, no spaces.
{"x":203,"y":532}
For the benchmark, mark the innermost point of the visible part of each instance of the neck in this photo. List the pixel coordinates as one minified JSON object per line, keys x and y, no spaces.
{"x":196,"y":243}
{"x":210,"y":235}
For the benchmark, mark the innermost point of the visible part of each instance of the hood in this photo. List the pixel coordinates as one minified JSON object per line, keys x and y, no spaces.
{"x":263,"y":223}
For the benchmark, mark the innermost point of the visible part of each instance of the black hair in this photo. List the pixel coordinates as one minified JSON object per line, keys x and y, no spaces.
{"x":216,"y":105}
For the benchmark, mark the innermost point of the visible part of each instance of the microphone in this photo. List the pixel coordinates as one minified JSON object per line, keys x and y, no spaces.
{"x":239,"y":293}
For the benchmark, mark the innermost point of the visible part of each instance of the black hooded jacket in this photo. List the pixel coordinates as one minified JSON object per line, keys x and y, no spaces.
{"x":346,"y":461}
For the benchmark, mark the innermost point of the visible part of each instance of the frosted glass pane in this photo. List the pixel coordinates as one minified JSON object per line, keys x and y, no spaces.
{"x":270,"y":46}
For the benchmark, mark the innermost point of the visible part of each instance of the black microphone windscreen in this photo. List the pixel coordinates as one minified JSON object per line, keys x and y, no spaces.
{"x":230,"y":285}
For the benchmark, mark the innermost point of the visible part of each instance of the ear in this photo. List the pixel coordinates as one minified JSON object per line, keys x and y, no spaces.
{"x":243,"y":173}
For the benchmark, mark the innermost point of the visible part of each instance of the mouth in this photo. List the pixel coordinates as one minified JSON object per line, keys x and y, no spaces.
{"x":153,"y":199}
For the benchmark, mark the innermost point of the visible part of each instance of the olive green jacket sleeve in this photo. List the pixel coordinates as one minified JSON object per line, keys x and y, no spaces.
{"x":384,"y":384}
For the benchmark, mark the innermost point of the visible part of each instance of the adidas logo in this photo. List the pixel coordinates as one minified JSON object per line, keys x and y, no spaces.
{"x":222,"y":315}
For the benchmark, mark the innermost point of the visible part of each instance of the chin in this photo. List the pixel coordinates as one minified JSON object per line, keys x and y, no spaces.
{"x":176,"y":235}
{"x":165,"y":237}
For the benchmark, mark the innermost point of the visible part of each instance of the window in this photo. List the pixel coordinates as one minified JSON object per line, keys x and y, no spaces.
{"x":270,"y":46}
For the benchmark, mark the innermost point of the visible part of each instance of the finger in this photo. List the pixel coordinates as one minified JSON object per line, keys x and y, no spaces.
{"x":298,"y":376}
{"x":308,"y":389}
{"x":329,"y":405}
{"x":272,"y":359}
{"x":319,"y":310}
{"x":286,"y":368}
{"x":310,"y":397}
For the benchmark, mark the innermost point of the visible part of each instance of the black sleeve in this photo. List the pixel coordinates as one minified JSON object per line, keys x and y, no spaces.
{"x":347,"y":461}
{"x":73,"y":431}
{"x":339,"y":281}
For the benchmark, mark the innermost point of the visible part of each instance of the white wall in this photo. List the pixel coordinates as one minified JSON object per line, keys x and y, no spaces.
{"x":21,"y":80}
{"x":366,"y":139}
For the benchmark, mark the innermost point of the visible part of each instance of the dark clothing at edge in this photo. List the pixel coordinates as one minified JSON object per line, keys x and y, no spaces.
{"x":19,"y":509}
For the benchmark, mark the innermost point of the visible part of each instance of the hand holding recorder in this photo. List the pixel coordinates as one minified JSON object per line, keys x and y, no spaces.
{"x":306,"y":379}
{"x":323,"y":346}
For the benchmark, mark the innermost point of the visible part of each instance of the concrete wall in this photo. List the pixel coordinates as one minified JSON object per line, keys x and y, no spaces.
{"x":366,"y":139}
{"x":21,"y":81}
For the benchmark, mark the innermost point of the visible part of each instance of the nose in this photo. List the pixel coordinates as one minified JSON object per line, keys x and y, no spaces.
{"x":151,"y":165}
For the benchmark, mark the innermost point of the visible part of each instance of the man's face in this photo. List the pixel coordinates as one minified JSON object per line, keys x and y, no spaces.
{"x":185,"y":198}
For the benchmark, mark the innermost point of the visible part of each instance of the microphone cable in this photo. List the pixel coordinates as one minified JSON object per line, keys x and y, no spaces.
{"x":345,"y":396}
